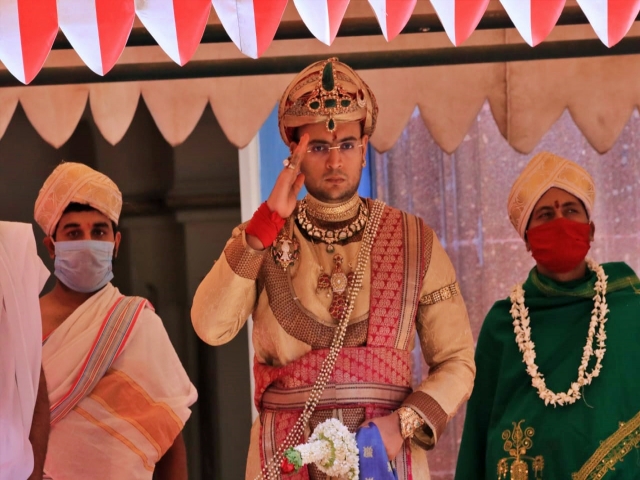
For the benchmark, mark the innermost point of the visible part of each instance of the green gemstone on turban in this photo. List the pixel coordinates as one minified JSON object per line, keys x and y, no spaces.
{"x":314,"y":105}
{"x":345,"y":103}
{"x":331,"y":125}
{"x":327,"y":77}
{"x":330,"y":103}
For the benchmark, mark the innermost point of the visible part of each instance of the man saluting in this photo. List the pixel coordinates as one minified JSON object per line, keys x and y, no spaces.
{"x":337,"y":286}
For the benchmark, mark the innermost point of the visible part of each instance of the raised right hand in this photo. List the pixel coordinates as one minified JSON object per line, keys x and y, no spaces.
{"x":284,"y":195}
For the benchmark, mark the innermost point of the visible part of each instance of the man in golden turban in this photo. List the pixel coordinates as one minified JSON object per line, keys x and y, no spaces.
{"x":548,"y":403}
{"x":338,"y":286}
{"x":119,"y":395}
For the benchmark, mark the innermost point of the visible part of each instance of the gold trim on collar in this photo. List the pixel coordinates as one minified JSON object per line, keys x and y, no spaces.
{"x":611,"y":451}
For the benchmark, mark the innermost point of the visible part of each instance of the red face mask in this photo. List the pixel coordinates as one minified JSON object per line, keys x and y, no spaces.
{"x":560,"y":245}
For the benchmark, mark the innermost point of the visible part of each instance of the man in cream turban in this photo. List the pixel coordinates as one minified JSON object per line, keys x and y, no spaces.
{"x":119,"y":395}
{"x":338,"y":287}
{"x":557,"y":392}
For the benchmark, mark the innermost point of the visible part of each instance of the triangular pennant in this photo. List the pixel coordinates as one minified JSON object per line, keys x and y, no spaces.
{"x":191,"y":20}
{"x":534,"y":19}
{"x":460,"y":17}
{"x":176,"y":25}
{"x":392,"y":15}
{"x":611,"y":19}
{"x":27,"y":31}
{"x":251,"y":24}
{"x":322,"y":17}
{"x":97,"y":29}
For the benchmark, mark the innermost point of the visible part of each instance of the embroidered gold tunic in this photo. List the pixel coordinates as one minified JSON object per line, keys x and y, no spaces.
{"x":292,"y":317}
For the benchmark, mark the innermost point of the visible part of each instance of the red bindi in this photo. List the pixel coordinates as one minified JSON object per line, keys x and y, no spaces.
{"x":557,"y":204}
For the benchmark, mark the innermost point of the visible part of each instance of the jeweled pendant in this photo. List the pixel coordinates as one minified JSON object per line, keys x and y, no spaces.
{"x":330,"y":248}
{"x":285,"y":251}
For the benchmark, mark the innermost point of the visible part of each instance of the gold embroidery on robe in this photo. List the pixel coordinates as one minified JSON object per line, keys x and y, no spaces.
{"x":516,"y":466}
{"x":611,"y":451}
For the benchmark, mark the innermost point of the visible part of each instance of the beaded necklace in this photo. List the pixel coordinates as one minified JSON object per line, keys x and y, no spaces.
{"x":271,"y":469}
{"x":328,"y":235}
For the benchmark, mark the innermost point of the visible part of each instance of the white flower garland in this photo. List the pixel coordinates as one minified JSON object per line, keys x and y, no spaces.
{"x":522,"y":329}
{"x":332,"y":448}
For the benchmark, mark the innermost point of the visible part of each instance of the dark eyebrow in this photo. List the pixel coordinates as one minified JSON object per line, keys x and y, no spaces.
{"x":570,"y":203}
{"x":347,"y":139}
{"x":100,"y":225}
{"x":69,"y":226}
{"x":545,"y":208}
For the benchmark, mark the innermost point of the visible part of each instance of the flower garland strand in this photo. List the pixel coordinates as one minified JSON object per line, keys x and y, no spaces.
{"x":522,"y":329}
{"x":331,"y":447}
{"x":271,"y":470}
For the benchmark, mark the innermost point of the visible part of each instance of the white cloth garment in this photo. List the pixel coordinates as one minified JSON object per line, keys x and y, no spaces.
{"x":22,"y":277}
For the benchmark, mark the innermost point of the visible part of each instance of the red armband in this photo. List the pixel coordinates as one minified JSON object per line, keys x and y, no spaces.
{"x":265,"y":225}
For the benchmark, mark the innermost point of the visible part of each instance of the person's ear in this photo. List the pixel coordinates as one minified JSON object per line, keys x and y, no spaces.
{"x":592,"y":233}
{"x":365,"y":143}
{"x":51,"y":246}
{"x":116,"y":244}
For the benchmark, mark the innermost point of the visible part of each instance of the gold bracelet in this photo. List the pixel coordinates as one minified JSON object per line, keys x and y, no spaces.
{"x":410,"y":421}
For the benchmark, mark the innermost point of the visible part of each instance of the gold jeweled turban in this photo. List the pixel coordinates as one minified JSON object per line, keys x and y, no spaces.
{"x":75,"y":183}
{"x":327,"y":91}
{"x":544,"y":171}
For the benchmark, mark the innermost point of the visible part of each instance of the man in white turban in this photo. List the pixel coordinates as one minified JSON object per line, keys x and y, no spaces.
{"x":24,"y":406}
{"x":118,"y":392}
{"x":547,"y":403}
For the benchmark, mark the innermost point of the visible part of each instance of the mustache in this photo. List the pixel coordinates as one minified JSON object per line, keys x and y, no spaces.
{"x":334,"y":174}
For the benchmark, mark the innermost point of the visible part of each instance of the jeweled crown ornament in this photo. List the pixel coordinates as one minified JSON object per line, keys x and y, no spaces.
{"x":328,"y":92}
{"x":329,"y":98}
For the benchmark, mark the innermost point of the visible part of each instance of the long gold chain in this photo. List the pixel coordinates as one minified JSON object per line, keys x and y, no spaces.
{"x":271,"y":470}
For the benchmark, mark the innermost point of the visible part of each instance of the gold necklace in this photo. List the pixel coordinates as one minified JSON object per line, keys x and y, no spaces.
{"x":328,"y":212}
{"x":329,"y":235}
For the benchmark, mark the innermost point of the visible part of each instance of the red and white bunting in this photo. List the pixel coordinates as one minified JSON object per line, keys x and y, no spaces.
{"x":611,"y":19}
{"x":460,"y":17}
{"x":97,"y":29}
{"x":251,"y":24}
{"x":392,"y":15}
{"x":322,"y":17}
{"x":534,"y":19}
{"x":177,"y":25}
{"x":27,"y":31}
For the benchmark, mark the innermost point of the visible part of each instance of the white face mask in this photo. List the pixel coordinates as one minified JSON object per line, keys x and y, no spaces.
{"x":84,"y":265}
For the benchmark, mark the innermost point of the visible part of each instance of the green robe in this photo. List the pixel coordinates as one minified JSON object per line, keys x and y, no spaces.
{"x":564,"y":438}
